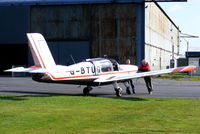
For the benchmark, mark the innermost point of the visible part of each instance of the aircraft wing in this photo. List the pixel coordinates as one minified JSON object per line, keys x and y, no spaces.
{"x":143,"y":74}
{"x":31,"y":69}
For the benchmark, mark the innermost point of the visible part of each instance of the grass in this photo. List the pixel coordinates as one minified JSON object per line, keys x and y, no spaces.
{"x":179,"y":76}
{"x":88,"y":115}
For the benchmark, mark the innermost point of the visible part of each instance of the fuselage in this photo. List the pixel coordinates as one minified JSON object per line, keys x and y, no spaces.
{"x":84,"y":73}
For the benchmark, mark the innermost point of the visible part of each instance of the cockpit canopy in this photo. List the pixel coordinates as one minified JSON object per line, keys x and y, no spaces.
{"x":106,"y":65}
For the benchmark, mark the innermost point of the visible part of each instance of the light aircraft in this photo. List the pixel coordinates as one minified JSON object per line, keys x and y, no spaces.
{"x":91,"y":72}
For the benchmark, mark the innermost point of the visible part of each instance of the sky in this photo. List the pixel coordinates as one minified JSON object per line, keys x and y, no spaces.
{"x":186,"y":15}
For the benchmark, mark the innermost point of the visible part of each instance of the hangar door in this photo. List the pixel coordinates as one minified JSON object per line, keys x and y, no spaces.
{"x":12,"y":55}
{"x":63,"y":51}
{"x":14,"y":25}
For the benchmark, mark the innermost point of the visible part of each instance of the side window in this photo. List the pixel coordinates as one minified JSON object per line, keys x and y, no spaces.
{"x":106,"y":67}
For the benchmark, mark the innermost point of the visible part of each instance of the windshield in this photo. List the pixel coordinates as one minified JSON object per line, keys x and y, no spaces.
{"x":104,"y":64}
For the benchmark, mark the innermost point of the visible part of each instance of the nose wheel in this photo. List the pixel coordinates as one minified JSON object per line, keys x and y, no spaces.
{"x":118,"y":90}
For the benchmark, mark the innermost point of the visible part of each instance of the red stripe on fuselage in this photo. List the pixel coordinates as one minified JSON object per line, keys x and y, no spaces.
{"x":85,"y":76}
{"x":33,"y":67}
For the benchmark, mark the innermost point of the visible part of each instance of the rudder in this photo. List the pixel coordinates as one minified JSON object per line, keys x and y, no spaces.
{"x":40,"y":51}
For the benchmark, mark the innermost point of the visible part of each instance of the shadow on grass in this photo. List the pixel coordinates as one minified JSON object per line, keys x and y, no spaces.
{"x":130,"y":98}
{"x":39,"y":94}
{"x":13,"y":98}
{"x":12,"y":95}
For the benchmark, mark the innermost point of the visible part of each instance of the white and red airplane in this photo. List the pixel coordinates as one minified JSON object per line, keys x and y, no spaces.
{"x":91,"y":72}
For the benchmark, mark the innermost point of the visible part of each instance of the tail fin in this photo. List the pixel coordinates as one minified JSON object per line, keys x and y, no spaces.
{"x":40,"y":51}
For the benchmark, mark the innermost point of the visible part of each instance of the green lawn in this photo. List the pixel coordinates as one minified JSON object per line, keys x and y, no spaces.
{"x":87,"y":115}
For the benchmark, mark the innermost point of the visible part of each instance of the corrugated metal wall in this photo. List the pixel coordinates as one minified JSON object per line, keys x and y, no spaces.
{"x":161,"y":38}
{"x":110,"y":28}
{"x":113,"y":29}
{"x":61,"y":22}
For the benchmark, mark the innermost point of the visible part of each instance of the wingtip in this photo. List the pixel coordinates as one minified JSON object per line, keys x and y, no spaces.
{"x":185,"y":69}
{"x":189,"y":68}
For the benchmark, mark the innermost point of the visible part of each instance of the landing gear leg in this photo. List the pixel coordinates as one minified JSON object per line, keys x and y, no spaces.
{"x":86,"y":90}
{"x":118,"y":90}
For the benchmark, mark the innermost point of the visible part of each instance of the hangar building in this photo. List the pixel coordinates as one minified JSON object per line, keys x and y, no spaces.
{"x":161,"y":38}
{"x":86,"y":28}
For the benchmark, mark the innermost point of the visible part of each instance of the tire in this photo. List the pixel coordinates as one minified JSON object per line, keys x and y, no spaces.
{"x":118,"y":92}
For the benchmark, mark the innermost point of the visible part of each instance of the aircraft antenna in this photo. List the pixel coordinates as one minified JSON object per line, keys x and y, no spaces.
{"x":72,"y":59}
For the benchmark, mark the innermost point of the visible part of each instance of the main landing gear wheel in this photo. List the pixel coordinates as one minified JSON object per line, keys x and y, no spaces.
{"x":86,"y":91}
{"x":118,"y":92}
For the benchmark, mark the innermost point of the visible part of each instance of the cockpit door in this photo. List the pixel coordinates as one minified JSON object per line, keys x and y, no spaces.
{"x":96,"y":67}
{"x":101,"y":65}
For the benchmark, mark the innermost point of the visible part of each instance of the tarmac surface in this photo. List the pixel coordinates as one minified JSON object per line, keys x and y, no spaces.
{"x":162,"y":88}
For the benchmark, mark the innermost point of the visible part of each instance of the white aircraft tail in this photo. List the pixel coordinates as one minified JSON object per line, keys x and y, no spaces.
{"x":40,"y":51}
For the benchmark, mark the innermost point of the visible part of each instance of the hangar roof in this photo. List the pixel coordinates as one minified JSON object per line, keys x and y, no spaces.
{"x":48,"y":2}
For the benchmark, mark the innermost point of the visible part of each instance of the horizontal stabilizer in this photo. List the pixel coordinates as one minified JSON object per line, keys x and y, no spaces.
{"x":28,"y":70}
